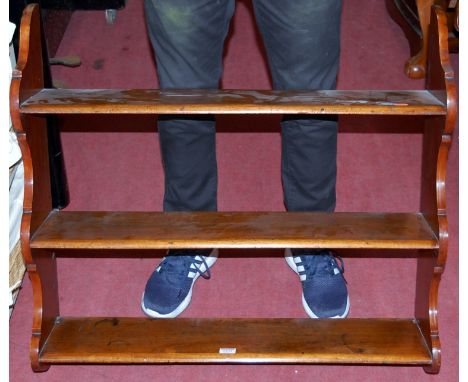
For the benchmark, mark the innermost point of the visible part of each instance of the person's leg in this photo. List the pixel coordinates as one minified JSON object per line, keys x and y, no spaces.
{"x":302,"y":39}
{"x":188,"y":37}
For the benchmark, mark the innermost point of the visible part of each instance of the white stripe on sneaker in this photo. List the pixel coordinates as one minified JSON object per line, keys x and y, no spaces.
{"x":210,"y":260}
{"x":291,"y":261}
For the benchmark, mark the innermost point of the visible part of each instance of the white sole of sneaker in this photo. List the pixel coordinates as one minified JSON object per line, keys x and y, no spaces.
{"x":210,"y":260}
{"x":289,"y":259}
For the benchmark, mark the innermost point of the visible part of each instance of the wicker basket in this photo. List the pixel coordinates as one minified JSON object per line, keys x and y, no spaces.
{"x":17,"y":270}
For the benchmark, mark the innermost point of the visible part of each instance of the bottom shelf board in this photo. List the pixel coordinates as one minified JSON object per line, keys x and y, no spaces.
{"x":129,"y":340}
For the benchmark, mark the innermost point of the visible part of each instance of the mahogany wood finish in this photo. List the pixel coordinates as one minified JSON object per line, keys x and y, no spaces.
{"x":414,"y":16}
{"x":413,"y":341}
{"x":31,"y":132}
{"x":437,"y":139}
{"x":146,"y":101}
{"x":153,"y":230}
{"x":46,"y":302}
{"x":244,"y":340}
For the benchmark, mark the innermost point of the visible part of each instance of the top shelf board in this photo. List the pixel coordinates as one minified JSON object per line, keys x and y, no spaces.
{"x":204,"y":101}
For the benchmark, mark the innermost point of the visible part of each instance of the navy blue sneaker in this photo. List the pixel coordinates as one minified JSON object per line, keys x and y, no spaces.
{"x":324,"y":292}
{"x":169,"y":289}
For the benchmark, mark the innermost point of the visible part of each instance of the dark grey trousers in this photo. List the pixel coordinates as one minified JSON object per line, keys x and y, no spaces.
{"x":302,"y":39}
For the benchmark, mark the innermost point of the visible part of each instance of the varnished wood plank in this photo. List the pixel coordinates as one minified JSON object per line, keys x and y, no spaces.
{"x":188,"y":340}
{"x":203,"y":101}
{"x":152,"y":230}
{"x":31,"y":132}
{"x":436,"y":144}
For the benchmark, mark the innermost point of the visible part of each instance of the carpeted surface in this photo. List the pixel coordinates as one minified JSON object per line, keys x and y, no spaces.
{"x":122,"y":171}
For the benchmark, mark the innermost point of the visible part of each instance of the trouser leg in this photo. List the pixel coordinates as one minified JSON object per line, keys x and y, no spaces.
{"x":188,"y":37}
{"x":302,"y":39}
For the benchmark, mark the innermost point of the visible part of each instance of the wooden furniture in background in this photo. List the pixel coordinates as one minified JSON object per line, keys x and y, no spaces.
{"x":414,"y":16}
{"x":46,"y":233}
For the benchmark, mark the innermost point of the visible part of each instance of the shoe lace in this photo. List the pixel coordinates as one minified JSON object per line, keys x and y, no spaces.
{"x":177,"y":263}
{"x":320,"y":262}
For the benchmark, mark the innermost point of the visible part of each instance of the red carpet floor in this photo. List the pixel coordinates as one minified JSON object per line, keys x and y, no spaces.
{"x":122,"y":171}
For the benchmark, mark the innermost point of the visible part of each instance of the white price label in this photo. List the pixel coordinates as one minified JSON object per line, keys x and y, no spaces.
{"x":227,"y":350}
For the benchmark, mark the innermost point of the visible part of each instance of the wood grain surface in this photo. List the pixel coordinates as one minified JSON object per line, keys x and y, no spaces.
{"x":203,"y":101}
{"x":244,"y":340}
{"x":151,"y":230}
{"x":140,"y":340}
{"x":31,"y":131}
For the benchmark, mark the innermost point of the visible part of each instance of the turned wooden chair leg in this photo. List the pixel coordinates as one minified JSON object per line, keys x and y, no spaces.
{"x":415,"y":67}
{"x":414,"y":21}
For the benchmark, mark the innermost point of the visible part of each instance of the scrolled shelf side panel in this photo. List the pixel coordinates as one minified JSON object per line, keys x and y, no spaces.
{"x":436,"y":144}
{"x":31,"y":131}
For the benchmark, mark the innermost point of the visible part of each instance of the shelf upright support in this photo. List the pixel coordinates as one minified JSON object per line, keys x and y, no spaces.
{"x":31,"y":131}
{"x":436,"y":143}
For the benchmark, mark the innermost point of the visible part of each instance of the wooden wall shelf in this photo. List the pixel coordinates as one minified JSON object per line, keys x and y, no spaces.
{"x":57,"y":339}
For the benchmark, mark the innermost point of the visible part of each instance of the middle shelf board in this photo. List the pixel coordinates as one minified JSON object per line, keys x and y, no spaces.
{"x":206,"y":101}
{"x":163,"y":230}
